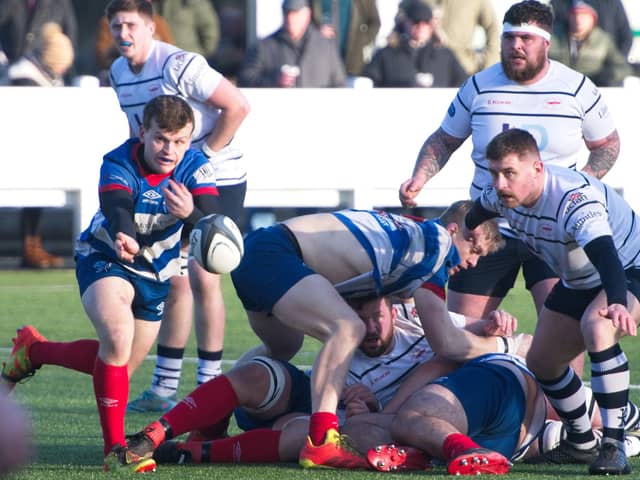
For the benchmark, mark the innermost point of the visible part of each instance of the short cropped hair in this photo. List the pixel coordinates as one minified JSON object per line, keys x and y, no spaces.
{"x":143,"y":7}
{"x":530,"y":11}
{"x":513,"y":141}
{"x":456,"y":213}
{"x":170,"y":112}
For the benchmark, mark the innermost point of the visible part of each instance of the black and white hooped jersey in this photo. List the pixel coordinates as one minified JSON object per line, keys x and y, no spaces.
{"x":573,"y":210}
{"x":559,"y":111}
{"x":172,"y":71}
{"x":383,"y":375}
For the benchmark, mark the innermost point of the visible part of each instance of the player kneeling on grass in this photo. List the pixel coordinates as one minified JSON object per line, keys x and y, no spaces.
{"x":149,"y":189}
{"x":275,"y":397}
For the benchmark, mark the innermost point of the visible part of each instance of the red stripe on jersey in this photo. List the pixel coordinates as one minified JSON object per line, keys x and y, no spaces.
{"x":205,"y":191}
{"x":415,"y":218}
{"x":110,"y":187}
{"x":439,"y":291}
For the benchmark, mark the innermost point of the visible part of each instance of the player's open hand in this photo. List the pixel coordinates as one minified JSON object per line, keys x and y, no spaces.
{"x":126,"y":247}
{"x":178,"y":199}
{"x":621,"y":318}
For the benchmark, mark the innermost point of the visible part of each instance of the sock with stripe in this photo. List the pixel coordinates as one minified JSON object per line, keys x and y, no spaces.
{"x":568,"y":398}
{"x":166,"y":375}
{"x":209,"y":365}
{"x":610,"y":385}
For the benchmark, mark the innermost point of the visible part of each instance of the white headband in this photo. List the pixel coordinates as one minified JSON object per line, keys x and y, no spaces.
{"x":526,"y":28}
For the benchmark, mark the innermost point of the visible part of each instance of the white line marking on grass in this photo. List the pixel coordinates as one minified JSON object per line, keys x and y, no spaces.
{"x":185,"y":359}
{"x":232,"y":362}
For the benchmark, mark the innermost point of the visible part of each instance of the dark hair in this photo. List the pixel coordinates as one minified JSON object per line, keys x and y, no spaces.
{"x":170,"y":112}
{"x":143,"y":7}
{"x":530,"y":11}
{"x":513,"y":141}
{"x":456,"y":213}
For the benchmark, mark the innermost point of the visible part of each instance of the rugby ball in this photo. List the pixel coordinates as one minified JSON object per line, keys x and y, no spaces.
{"x":216,"y":243}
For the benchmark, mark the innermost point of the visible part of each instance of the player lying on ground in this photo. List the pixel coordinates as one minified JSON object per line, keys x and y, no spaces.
{"x":295,"y":279}
{"x":275,"y":396}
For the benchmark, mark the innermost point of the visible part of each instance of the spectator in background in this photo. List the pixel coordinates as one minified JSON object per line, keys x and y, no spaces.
{"x":194,"y":24}
{"x":353,"y":24}
{"x":107,"y":52}
{"x":45,"y":66}
{"x":612,"y":18}
{"x":296,"y":55}
{"x":233,"y":42}
{"x":21,"y":23}
{"x":414,"y":58}
{"x":587,"y":48}
{"x":455,"y":23}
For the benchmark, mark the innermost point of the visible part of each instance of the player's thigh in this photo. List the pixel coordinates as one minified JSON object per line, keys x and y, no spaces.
{"x":232,"y":200}
{"x":369,"y":429}
{"x":556,"y":342}
{"x":476,"y":306}
{"x":431,"y":401}
{"x":203,"y":283}
{"x":314,"y":307}
{"x":295,"y":429}
{"x":280,"y":340}
{"x":107,"y":302}
{"x":478,"y":290}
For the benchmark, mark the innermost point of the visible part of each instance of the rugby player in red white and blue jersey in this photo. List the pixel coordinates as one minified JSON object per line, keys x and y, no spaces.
{"x":150,"y":188}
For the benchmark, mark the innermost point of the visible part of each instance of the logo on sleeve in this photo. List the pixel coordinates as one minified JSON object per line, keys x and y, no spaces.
{"x":575,"y":199}
{"x":452,"y":110}
{"x":205,"y":174}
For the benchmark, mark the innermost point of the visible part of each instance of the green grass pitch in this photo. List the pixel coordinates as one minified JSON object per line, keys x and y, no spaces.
{"x":66,"y":429}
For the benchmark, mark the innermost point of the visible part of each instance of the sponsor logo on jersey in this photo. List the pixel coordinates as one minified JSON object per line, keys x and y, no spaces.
{"x":380,"y":377}
{"x":545,"y":230}
{"x":205,"y":174}
{"x":552,"y":103}
{"x":152,"y":197}
{"x":497,"y":101}
{"x":590,"y":215}
{"x":419,"y":353}
{"x":178,"y":61}
{"x":452,"y":110}
{"x":575,"y":199}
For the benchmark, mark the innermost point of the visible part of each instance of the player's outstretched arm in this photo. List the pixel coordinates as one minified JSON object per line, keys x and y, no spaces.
{"x":434,"y":154}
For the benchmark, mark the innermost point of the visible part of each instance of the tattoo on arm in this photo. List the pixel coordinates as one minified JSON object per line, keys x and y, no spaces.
{"x":603,"y":156}
{"x":435,"y":152}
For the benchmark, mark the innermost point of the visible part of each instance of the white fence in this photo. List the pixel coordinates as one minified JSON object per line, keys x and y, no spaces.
{"x":304,"y":147}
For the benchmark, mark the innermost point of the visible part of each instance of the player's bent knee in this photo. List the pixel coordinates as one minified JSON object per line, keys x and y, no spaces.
{"x":277,"y":383}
